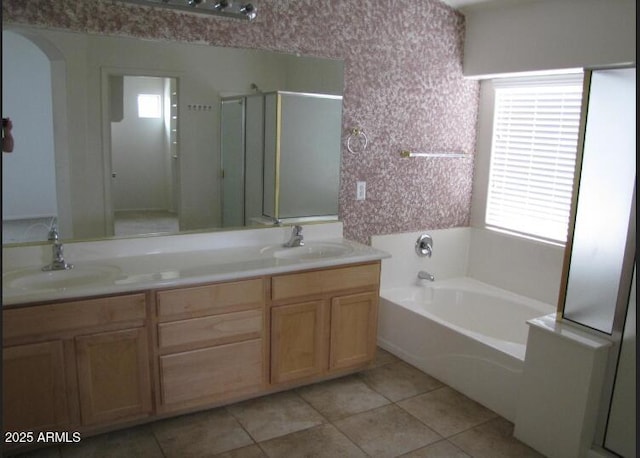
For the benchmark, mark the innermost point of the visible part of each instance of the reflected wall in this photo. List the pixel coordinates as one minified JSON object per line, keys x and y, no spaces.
{"x":29,"y":182}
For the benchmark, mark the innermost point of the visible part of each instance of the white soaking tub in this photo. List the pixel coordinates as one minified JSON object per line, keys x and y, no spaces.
{"x":468,"y":334}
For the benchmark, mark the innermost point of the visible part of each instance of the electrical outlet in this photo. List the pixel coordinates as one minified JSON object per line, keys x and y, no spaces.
{"x":361,"y":190}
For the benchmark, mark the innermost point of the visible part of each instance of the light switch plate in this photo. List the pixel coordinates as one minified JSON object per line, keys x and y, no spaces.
{"x":361,"y":190}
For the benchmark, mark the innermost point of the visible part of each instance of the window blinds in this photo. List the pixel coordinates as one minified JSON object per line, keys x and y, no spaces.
{"x":535,"y":136}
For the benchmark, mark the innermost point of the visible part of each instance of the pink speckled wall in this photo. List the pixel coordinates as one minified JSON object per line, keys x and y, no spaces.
{"x":403,"y":87}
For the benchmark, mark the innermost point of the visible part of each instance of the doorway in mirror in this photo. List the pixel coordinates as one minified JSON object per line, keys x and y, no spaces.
{"x":144,"y":152}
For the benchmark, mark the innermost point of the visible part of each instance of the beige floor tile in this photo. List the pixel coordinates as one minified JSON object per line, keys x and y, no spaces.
{"x":321,"y":441}
{"x":383,"y":357}
{"x":442,"y":449}
{"x":447,"y":411}
{"x":387,"y":431}
{"x":397,"y":381}
{"x":201,"y":434}
{"x":138,"y":441}
{"x":493,"y":439}
{"x":275,"y":415}
{"x":338,"y":398}
{"x":251,"y":451}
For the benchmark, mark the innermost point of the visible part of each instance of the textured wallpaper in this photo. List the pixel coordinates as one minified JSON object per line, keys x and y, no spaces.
{"x":403,"y":87}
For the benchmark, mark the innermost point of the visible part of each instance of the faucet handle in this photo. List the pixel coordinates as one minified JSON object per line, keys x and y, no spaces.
{"x":53,"y":233}
{"x":424,"y":245}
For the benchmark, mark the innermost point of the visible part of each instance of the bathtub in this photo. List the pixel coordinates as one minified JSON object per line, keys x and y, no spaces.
{"x":468,"y":334}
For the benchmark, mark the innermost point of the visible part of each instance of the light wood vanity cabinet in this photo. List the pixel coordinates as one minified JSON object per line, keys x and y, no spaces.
{"x":34,"y":388}
{"x":113,"y":375}
{"x":75,"y":364}
{"x":93,"y":364}
{"x":323,"y":321}
{"x":298,"y":336}
{"x":211,"y":343}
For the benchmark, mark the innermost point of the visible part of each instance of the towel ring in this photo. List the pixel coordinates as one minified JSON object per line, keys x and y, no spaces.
{"x":357,"y":132}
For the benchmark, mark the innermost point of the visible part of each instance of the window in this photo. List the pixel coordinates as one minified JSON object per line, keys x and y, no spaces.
{"x":533,"y":153}
{"x":149,"y":106}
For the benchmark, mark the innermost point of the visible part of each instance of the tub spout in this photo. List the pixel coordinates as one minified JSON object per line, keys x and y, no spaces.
{"x":422,"y":275}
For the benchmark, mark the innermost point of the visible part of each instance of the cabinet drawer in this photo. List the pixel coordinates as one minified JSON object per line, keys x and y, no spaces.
{"x":324,"y":281}
{"x":44,"y":320}
{"x":215,"y":372}
{"x":210,"y":330}
{"x":210,"y":299}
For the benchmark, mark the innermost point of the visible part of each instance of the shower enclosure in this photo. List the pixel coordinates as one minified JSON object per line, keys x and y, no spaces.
{"x":280,"y":157}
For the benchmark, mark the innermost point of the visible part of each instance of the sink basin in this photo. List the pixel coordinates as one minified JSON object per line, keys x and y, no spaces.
{"x":312,"y":250}
{"x":36,"y":279}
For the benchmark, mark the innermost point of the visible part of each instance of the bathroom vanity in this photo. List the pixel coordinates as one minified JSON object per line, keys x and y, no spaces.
{"x":156,"y":340}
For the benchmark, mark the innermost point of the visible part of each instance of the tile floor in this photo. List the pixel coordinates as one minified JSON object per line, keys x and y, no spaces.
{"x":145,"y":222}
{"x":389,"y":410}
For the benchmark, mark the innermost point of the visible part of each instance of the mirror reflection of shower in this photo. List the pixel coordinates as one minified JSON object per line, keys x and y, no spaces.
{"x":144,"y":154}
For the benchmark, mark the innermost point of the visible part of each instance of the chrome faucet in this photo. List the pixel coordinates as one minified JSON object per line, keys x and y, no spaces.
{"x":424,"y":245}
{"x":296,"y":238}
{"x":423,"y":275}
{"x":276,"y":221}
{"x":57,"y":262}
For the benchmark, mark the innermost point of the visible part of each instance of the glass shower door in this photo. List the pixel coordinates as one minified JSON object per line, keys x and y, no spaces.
{"x":233,"y":162}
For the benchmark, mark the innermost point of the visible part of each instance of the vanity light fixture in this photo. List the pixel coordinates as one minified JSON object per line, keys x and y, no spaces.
{"x":228,"y":8}
{"x":248,"y":10}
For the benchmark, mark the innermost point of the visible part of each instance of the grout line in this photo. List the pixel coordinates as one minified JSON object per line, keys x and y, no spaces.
{"x":261,"y":449}
{"x":153,"y":433}
{"x":228,"y":411}
{"x":332,"y":422}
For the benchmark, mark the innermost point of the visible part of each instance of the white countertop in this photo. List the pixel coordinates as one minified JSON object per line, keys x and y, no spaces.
{"x":569,"y":331}
{"x":130,"y":271}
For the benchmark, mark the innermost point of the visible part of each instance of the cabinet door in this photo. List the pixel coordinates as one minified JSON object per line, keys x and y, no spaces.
{"x":113,"y":375}
{"x":298,"y":341}
{"x":354,"y":321}
{"x":33,"y":387}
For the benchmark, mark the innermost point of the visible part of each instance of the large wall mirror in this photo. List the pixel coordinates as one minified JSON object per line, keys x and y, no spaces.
{"x":119,"y":136}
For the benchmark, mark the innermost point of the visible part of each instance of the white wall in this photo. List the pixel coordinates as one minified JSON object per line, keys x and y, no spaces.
{"x":482,"y":159}
{"x":522,"y":266}
{"x":305,"y":71}
{"x":527,"y":267}
{"x":138,"y":152}
{"x":549,"y":34}
{"x":449,"y":258}
{"x":28,"y":174}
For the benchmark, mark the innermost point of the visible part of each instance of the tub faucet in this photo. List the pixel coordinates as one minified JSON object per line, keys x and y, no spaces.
{"x":57,"y":262}
{"x":296,"y":238}
{"x":423,"y":275}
